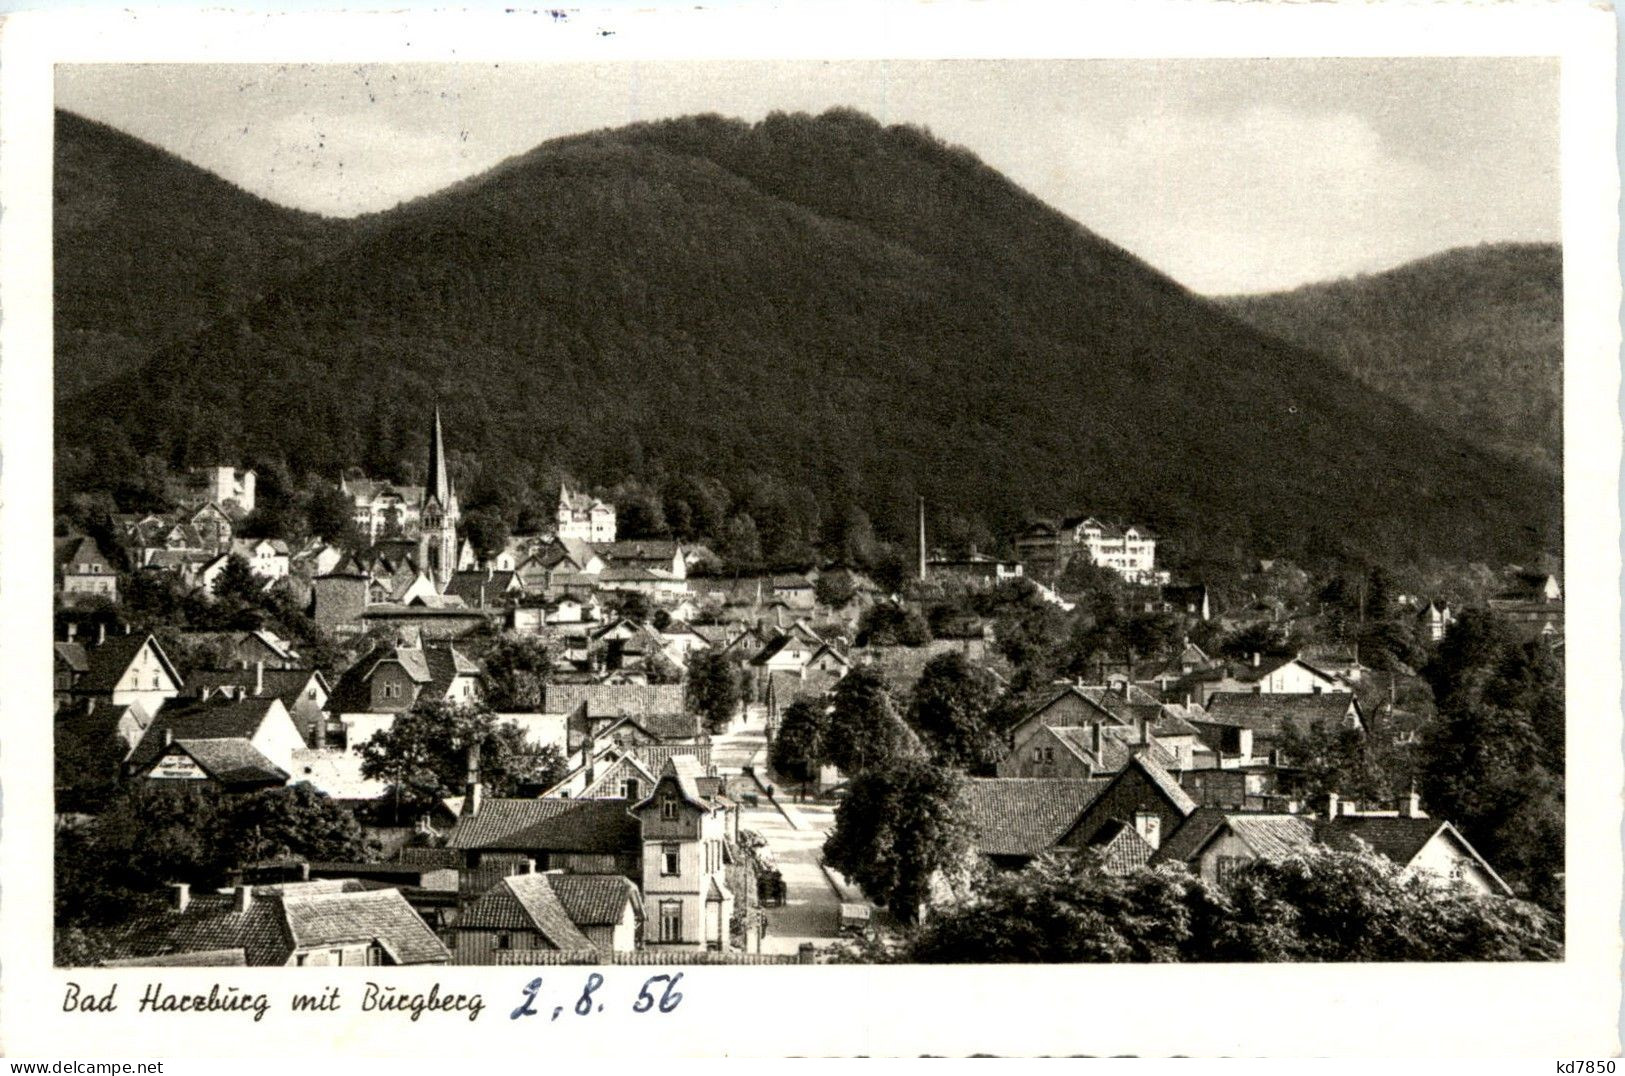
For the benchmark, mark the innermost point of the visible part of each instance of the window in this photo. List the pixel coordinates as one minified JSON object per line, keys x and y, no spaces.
{"x":1149,"y":826}
{"x":299,"y":961}
{"x":670,"y":860}
{"x":668,"y":808}
{"x":504,"y":941}
{"x":671,"y":920}
{"x":1226,"y":868}
{"x":155,"y":681}
{"x":338,"y":956}
{"x":1038,"y":754}
{"x":630,"y":788}
{"x":375,"y":956}
{"x":392,"y":691}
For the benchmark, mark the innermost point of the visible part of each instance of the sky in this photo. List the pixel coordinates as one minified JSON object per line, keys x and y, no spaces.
{"x":1231,"y":176}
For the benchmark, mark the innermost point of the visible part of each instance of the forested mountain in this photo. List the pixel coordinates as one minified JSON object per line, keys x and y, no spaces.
{"x":804,"y":317}
{"x":150,"y":249}
{"x":1471,"y":339}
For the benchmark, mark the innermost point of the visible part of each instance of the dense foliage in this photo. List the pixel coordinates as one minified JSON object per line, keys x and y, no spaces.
{"x":889,"y":299}
{"x":799,"y":746}
{"x":426,"y":753}
{"x":902,"y":833}
{"x":714,"y":689}
{"x":1471,"y":338}
{"x":1320,"y":906}
{"x":949,"y":710}
{"x":865,"y":730}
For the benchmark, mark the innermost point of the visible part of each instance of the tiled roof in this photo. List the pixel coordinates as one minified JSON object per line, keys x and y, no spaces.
{"x":331,"y":919}
{"x":1184,"y":842}
{"x":1273,"y":835}
{"x":1178,"y":798}
{"x":638,"y":549}
{"x":660,"y":726}
{"x":211,"y":958}
{"x":213,"y":720}
{"x":1399,"y":839}
{"x":598,"y":826}
{"x":654,"y":755}
{"x":73,"y":656}
{"x":612,"y":700}
{"x":78,"y":550}
{"x":210,"y":923}
{"x":286,"y":684}
{"x":1121,"y":848}
{"x":1025,"y":816}
{"x":594,"y":900}
{"x":468,"y":585}
{"x":525,"y":902}
{"x":435,"y":858}
{"x":1269,"y":714}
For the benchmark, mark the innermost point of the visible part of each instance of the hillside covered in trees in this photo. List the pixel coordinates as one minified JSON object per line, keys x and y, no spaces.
{"x":150,"y":249}
{"x":805,"y":320}
{"x":1472,"y":339}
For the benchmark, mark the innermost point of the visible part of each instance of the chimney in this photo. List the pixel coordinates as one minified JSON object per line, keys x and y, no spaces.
{"x":472,"y":792}
{"x":1331,"y":805}
{"x":242,"y":898}
{"x":304,"y":870}
{"x":259,"y":679}
{"x":101,"y":633}
{"x":180,"y":895}
{"x":169,"y":736}
{"x":922,"y":539}
{"x":1349,"y":807}
{"x":1096,"y":736}
{"x":1258,"y":659}
{"x":527,"y":866}
{"x":318,"y":732}
{"x":1145,"y":730}
{"x":1410,"y":806}
{"x":73,"y":629}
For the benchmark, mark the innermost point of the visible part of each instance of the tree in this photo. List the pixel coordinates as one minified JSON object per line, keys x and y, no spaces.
{"x":713,"y":688}
{"x":293,"y":821}
{"x":834,"y":591}
{"x":237,"y":581}
{"x":799,"y":746}
{"x":331,"y":517}
{"x":486,"y":530}
{"x":864,"y":729}
{"x":425,"y":754}
{"x":517,"y":669}
{"x":1260,"y":638}
{"x":949,"y":710}
{"x":902,"y":832}
{"x":892,"y":624}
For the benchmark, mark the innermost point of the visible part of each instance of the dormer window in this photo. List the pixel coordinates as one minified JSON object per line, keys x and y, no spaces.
{"x":668,"y":808}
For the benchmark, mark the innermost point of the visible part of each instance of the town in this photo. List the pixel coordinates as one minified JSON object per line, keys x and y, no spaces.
{"x":359,"y":726}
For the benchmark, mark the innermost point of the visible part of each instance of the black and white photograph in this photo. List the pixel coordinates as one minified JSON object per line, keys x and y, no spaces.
{"x":590,"y":519}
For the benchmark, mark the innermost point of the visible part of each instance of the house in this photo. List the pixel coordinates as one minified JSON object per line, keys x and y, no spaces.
{"x":595,"y":707}
{"x":120,"y":670}
{"x":383,"y":509}
{"x":1268,"y":717}
{"x":228,"y":487}
{"x":1538,"y":587}
{"x":392,"y":678}
{"x":683,"y":834}
{"x":1130,"y":551}
{"x":316,"y":558}
{"x":655,"y":555}
{"x":584,"y":517}
{"x":1189,"y":600}
{"x":1017,"y":819}
{"x":1177,"y":742}
{"x":977,"y":571}
{"x":82,"y":571}
{"x":550,"y":910}
{"x":1215,"y":843}
{"x":1098,"y":749}
{"x":239,"y":744}
{"x":207,"y":528}
{"x":1436,"y":619}
{"x":483,"y":588}
{"x":299,"y":924}
{"x":243,"y":649}
{"x":304,"y":693}
{"x":1261,"y":675}
{"x":266,"y":557}
{"x":586,"y":836}
{"x":1144,"y":796}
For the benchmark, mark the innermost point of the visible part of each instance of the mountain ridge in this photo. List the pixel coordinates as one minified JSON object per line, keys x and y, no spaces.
{"x":818,"y":313}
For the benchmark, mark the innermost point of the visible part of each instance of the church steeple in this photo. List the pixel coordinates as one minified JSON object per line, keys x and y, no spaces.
{"x":439,"y":487}
{"x":437,"y":544}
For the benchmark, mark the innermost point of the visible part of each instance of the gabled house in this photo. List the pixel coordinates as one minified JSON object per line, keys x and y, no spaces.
{"x":266,"y":557}
{"x":1144,"y":796}
{"x":584,"y":517}
{"x":685,"y":889}
{"x":551,"y":910}
{"x":656,"y":555}
{"x":1098,"y":749}
{"x":1267,"y":717}
{"x":239,"y":745}
{"x":121,"y":670}
{"x":392,"y":678}
{"x":1260,"y":675}
{"x":304,"y":693}
{"x":299,"y":924}
{"x":1017,"y":819}
{"x":244,"y":649}
{"x":82,"y":571}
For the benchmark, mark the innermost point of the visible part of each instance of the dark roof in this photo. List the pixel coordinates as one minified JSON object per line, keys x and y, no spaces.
{"x":210,"y":923}
{"x":467,"y":585}
{"x":613,"y":700}
{"x":1273,"y":835}
{"x":525,"y":902}
{"x":213,"y":720}
{"x":1269,"y":714}
{"x":230,"y":762}
{"x":1399,"y":839}
{"x":108,"y":662}
{"x":285,"y":684}
{"x":78,"y":550}
{"x":73,"y":656}
{"x":1184,"y":842}
{"x":598,"y":826}
{"x":594,"y":900}
{"x":1026,"y":816}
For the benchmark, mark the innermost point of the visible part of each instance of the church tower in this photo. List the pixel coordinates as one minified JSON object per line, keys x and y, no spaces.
{"x":437,"y":541}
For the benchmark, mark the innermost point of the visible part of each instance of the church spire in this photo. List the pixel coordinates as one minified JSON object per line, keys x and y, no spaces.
{"x":439,"y":480}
